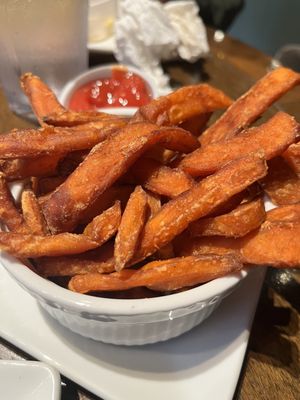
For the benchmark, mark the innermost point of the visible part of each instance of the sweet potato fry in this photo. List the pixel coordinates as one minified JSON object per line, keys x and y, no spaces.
{"x":275,"y":244}
{"x":253,"y":191}
{"x":41,"y":166}
{"x":242,"y":220}
{"x":47,"y":108}
{"x":188,"y":271}
{"x":9,"y":214}
{"x":32,"y":246}
{"x":272,"y":138}
{"x":32,"y":214}
{"x":70,"y":118}
{"x":175,"y":216}
{"x":187,"y":246}
{"x":284,"y":214}
{"x":281,"y":184}
{"x":154,"y":203}
{"x":183,"y":104}
{"x":105,"y":225}
{"x":29,"y":143}
{"x":251,"y":105}
{"x":160,"y":179}
{"x":292,"y":156}
{"x":132,"y":223}
{"x":99,"y":260}
{"x":103,"y":166}
{"x":165,"y":275}
{"x":43,"y":100}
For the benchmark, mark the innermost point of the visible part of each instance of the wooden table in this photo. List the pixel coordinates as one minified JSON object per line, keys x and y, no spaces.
{"x":272,"y":364}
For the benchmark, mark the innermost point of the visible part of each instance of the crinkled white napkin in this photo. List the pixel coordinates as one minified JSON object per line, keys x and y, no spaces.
{"x":148,"y":32}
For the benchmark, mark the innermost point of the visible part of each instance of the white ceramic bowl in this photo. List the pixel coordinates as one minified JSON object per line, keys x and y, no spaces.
{"x":28,"y":380}
{"x":127,"y":322}
{"x":103,"y":72}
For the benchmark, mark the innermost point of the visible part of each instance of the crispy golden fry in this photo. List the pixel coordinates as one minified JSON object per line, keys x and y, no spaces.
{"x":132,"y":223}
{"x":154,"y":203}
{"x":245,"y":196}
{"x":251,"y":105}
{"x":104,"y":123}
{"x":33,"y":183}
{"x":292,"y":156}
{"x":272,"y":138}
{"x":275,"y":244}
{"x":105,"y":225}
{"x":72,"y":118}
{"x":187,"y":246}
{"x":41,"y":166}
{"x":165,"y":275}
{"x":281,"y":184}
{"x":284,"y":214}
{"x":160,"y":179}
{"x":183,"y":104}
{"x":188,"y":271}
{"x":32,"y":214}
{"x":99,"y":260}
{"x":30,"y":143}
{"x":240,"y":221}
{"x":32,"y":246}
{"x":9,"y":214}
{"x":43,"y":100}
{"x":175,"y":216}
{"x":47,"y":108}
{"x":103,"y":166}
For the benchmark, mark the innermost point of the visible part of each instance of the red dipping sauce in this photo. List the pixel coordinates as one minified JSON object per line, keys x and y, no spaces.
{"x":122,"y":89}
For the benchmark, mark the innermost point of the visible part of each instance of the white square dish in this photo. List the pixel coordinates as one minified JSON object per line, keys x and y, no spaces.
{"x":28,"y":380}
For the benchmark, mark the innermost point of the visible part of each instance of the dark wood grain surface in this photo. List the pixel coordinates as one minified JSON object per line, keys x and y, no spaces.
{"x":271,"y":368}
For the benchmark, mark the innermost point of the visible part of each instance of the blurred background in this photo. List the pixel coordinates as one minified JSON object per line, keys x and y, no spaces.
{"x":267,"y":25}
{"x":264,"y":24}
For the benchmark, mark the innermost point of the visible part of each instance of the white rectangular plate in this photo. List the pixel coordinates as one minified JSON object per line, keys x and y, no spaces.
{"x":204,"y":363}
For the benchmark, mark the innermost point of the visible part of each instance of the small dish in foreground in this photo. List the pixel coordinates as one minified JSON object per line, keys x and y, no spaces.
{"x":28,"y":380}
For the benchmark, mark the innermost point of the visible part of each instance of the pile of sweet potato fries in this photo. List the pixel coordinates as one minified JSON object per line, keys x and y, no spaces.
{"x":159,"y":201}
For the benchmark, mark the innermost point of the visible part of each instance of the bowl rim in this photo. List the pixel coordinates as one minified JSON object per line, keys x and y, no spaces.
{"x":90,"y":74}
{"x":83,"y":303}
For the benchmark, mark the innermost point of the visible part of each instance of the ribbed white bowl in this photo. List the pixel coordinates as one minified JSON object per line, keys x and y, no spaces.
{"x":126,"y":322}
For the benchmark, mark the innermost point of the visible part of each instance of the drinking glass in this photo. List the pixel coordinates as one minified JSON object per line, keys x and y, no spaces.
{"x":45,"y":37}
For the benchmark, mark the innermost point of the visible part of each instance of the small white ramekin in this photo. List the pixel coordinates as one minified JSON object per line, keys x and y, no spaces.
{"x":126,"y":322}
{"x":100,"y":72}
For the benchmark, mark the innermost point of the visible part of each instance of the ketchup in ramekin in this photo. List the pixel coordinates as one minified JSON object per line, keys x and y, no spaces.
{"x":123,"y":88}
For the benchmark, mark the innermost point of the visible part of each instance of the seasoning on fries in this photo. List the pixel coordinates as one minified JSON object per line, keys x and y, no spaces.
{"x":117,"y":205}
